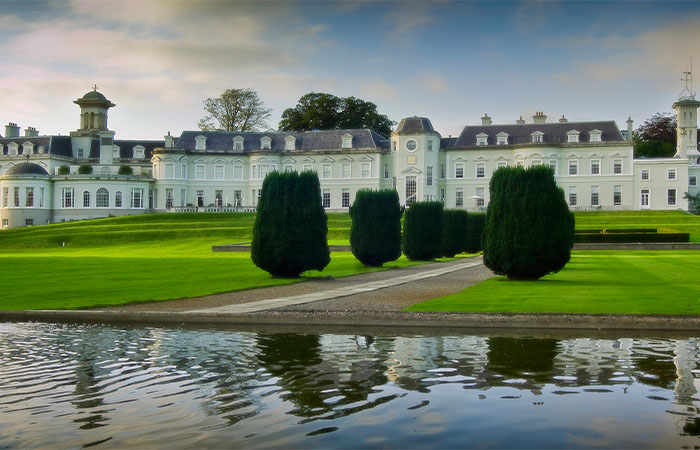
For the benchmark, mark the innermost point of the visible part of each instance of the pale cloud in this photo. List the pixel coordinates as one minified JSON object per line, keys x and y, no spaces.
{"x":532,"y":16}
{"x":377,"y":89}
{"x":435,"y":84}
{"x":408,"y":18}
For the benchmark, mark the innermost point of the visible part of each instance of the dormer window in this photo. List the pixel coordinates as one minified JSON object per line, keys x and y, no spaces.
{"x":28,"y":148}
{"x":482,"y":139}
{"x":41,"y":149}
{"x":290,"y":143}
{"x":266,"y":143}
{"x":537,"y":137}
{"x":238,"y":143}
{"x":596,"y":135}
{"x":200,"y":143}
{"x":502,"y":138}
{"x":139,"y":152}
{"x":12,"y":148}
{"x":572,"y":135}
{"x":115,"y":152}
{"x":347,"y":140}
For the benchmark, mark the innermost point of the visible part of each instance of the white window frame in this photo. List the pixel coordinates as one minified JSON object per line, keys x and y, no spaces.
{"x":200,"y":142}
{"x":136,"y":200}
{"x":692,"y":180}
{"x":429,"y":176}
{"x":197,"y":169}
{"x":669,"y":201}
{"x":617,"y":163}
{"x":169,"y":170}
{"x":595,"y":164}
{"x":183,"y":171}
{"x":326,"y":198}
{"x":238,"y":172}
{"x":100,"y":200}
{"x":326,"y":171}
{"x":617,"y":195}
{"x":430,"y":145}
{"x":366,"y":170}
{"x":573,"y":167}
{"x":459,"y":170}
{"x":573,"y":196}
{"x":481,"y":200}
{"x":645,"y":175}
{"x":68,"y":197}
{"x":411,"y":145}
{"x":118,"y":199}
{"x":480,"y":171}
{"x":671,"y":174}
{"x":219,"y":171}
{"x":459,"y":198}
{"x":29,"y":200}
{"x":346,"y":170}
{"x":595,"y":195}
{"x":345,"y":198}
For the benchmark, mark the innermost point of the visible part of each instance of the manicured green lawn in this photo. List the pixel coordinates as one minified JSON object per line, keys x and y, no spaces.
{"x":664,"y":221}
{"x":71,"y":278}
{"x":606,"y":282}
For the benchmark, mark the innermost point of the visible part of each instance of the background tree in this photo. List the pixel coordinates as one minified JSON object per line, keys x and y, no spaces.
{"x":321,"y":111}
{"x":656,"y":137}
{"x":291,"y":228}
{"x":529,"y":229}
{"x":475,"y":229}
{"x":235,"y":110}
{"x":422,"y":231}
{"x":375,"y":233}
{"x":454,"y":231}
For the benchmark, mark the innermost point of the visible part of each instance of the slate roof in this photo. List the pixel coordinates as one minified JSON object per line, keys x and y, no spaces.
{"x":222,"y":141}
{"x":126,"y":148}
{"x":27,"y":168}
{"x":56,"y":145}
{"x":554,"y":133}
{"x":415,"y":124}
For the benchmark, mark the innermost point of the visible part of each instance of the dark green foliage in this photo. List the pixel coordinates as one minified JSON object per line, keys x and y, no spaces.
{"x":653,"y":149}
{"x":290,"y":231}
{"x":375,"y":233}
{"x":633,"y":236}
{"x":693,"y":203}
{"x":85,"y":169}
{"x":422,"y":231}
{"x":63,"y":170}
{"x":125,"y":170}
{"x":529,"y":229}
{"x":475,"y":229}
{"x":656,"y":137}
{"x":454,"y":231}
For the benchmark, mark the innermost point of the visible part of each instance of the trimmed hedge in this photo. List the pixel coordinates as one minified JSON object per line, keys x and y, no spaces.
{"x":290,"y":231}
{"x":375,"y":233}
{"x":85,"y":169}
{"x":125,"y":170}
{"x":631,"y":237}
{"x":454,"y":231}
{"x":618,"y":230}
{"x":422,"y":231}
{"x":63,"y":170}
{"x":475,"y":230}
{"x":529,"y":229}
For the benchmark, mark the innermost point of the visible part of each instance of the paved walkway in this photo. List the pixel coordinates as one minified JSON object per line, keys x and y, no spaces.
{"x":281,"y":302}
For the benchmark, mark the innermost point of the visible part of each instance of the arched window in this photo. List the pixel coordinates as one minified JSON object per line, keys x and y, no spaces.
{"x":118,"y":199}
{"x":102,"y":198}
{"x":86,"y":199}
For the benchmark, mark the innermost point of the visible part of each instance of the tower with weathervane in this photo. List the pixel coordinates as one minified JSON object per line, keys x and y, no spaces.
{"x":93,"y":123}
{"x":687,"y":119}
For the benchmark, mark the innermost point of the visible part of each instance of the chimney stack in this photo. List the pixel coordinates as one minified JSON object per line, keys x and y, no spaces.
{"x":630,"y":124}
{"x":563,"y":119}
{"x":486,"y":120}
{"x":539,"y":117}
{"x":520,"y":121}
{"x":30,"y":132}
{"x":168,"y":141}
{"x":11,"y":130}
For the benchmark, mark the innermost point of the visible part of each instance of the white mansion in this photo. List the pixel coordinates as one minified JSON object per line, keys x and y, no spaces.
{"x":89,"y":174}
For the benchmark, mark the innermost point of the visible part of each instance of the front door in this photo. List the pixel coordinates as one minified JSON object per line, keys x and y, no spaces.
{"x":645,"y":199}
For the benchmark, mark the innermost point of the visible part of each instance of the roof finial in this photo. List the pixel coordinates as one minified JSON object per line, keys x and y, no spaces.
{"x":94,"y":88}
{"x":688,"y":93}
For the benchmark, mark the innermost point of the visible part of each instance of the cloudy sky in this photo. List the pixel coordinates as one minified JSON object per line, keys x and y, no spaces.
{"x":451,"y":61}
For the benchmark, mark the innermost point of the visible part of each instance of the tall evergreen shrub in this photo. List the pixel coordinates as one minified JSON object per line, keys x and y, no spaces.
{"x":290,"y":231}
{"x":454,"y":231}
{"x":529,"y":229}
{"x":422,"y":231}
{"x":375,"y":233}
{"x":475,"y":229}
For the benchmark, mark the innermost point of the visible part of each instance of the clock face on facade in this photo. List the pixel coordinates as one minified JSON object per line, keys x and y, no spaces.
{"x":411,"y":145}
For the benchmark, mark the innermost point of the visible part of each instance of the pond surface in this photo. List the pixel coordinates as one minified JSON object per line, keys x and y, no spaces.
{"x":92,"y":385}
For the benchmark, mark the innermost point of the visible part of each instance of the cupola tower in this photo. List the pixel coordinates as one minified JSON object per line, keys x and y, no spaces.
{"x":687,"y":121}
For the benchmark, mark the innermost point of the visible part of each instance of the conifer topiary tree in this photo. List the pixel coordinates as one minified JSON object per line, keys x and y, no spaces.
{"x":529,"y":229}
{"x":375,"y":233}
{"x":422,"y":231}
{"x":454,"y":231}
{"x":475,"y":229}
{"x":290,"y":231}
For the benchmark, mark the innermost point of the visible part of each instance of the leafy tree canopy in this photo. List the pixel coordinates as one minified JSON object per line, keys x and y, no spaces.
{"x":320,"y":111}
{"x":656,"y":137}
{"x":235,"y":110}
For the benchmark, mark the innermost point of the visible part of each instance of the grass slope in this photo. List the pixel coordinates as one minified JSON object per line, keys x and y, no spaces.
{"x":664,"y":221}
{"x":71,"y":278}
{"x":605,"y":282}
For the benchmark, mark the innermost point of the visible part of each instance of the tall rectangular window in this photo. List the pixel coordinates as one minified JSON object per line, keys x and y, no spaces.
{"x":169,"y":170}
{"x":572,"y":196}
{"x":480,"y":200}
{"x":67,"y":198}
{"x":345,"y":198}
{"x":573,"y":167}
{"x":692,"y":180}
{"x":365,"y":170}
{"x":410,"y":189}
{"x":237,"y":172}
{"x":5,"y":194}
{"x":200,"y":197}
{"x":118,"y":199}
{"x":219,"y":198}
{"x":168,"y":198}
{"x":386,"y":171}
{"x":480,"y":172}
{"x":29,"y":197}
{"x":459,"y":170}
{"x":326,"y":198}
{"x":345,"y":170}
{"x":137,"y":198}
{"x":183,"y":195}
{"x":442,"y":171}
{"x":671,"y":197}
{"x":459,"y":198}
{"x":326,"y":171}
{"x":595,"y":167}
{"x":183,"y":171}
{"x":594,"y":196}
{"x":41,"y":197}
{"x":617,"y":166}
{"x":429,"y":175}
{"x":199,"y":171}
{"x":16,"y":197}
{"x":237,"y":198}
{"x":553,"y":165}
{"x":219,"y":172}
{"x":288,"y":168}
{"x":617,"y":194}
{"x":102,"y":198}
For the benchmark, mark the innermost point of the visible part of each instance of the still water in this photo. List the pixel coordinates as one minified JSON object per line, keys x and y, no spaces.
{"x":93,"y":385}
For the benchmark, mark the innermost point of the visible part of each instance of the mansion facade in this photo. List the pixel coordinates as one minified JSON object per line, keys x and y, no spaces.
{"x":89,"y":174}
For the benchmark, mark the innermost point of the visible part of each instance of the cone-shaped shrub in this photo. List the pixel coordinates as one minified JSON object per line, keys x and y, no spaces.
{"x":375,"y":233}
{"x":529,"y":229}
{"x":475,"y":229}
{"x":422,"y":231}
{"x":289,"y":235}
{"x":454,"y":231}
